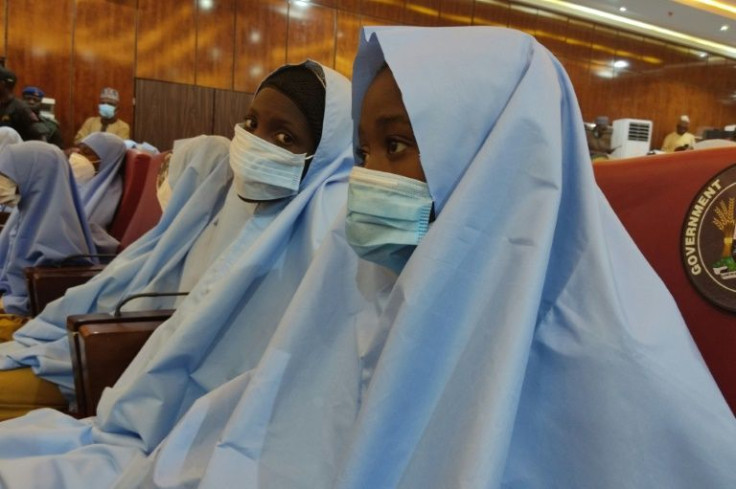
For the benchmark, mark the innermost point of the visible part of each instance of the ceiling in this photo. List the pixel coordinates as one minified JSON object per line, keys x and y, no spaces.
{"x":690,"y":17}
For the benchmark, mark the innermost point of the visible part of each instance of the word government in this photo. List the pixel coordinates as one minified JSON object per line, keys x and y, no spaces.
{"x":693,"y":222}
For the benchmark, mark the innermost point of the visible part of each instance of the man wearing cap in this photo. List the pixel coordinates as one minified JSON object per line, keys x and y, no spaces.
{"x":107,"y":121}
{"x":15,"y":113}
{"x":599,"y":138}
{"x":679,"y":140}
{"x":33,"y":96}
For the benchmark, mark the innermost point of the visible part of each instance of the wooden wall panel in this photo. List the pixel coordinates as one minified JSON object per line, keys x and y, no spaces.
{"x":2,"y":28}
{"x":230,"y":109}
{"x":629,"y":48}
{"x":603,"y":45}
{"x":348,"y":37}
{"x":421,"y":12}
{"x":167,"y":111}
{"x":578,"y":39}
{"x":311,"y":34}
{"x":167,"y":36}
{"x":233,"y":45}
{"x":102,"y":64}
{"x":215,"y":44}
{"x":522,"y":18}
{"x":260,"y":41}
{"x":491,"y":12}
{"x":383,"y":9}
{"x":43,"y":56}
{"x":551,"y":30}
{"x":374,"y":21}
{"x":336,"y":4}
{"x":579,"y":74}
{"x":456,"y":12}
{"x":352,"y":6}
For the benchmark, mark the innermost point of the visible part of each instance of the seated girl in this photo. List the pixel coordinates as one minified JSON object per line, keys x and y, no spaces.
{"x":97,"y":170}
{"x":48,"y":224}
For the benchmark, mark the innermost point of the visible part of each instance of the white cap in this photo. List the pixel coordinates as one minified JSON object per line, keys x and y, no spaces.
{"x":685,"y":118}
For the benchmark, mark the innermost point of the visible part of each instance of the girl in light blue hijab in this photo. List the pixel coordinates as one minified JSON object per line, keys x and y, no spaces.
{"x":101,"y":194}
{"x":48,"y":225}
{"x":541,"y":349}
{"x":218,"y":331}
{"x":525,"y":342}
{"x":200,"y":176}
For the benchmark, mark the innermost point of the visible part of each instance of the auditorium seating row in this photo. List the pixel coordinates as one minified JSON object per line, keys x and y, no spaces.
{"x":651,"y":195}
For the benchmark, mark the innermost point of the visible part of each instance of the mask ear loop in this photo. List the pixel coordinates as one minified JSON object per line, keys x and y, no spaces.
{"x":307,"y":161}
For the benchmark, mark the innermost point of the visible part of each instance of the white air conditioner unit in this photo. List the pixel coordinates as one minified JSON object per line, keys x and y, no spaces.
{"x":47,"y":107}
{"x":631,"y":137}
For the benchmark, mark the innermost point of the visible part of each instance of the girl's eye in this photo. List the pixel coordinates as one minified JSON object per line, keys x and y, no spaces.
{"x":250,"y":124}
{"x":284,"y":138}
{"x":361,"y":154}
{"x":395,"y":146}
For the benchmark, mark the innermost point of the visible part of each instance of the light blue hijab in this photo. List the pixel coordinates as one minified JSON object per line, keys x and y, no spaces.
{"x":101,"y":195}
{"x":8,"y":135}
{"x":531,"y":343}
{"x":527,"y":343}
{"x":217,"y":332}
{"x":200,"y":176}
{"x":47,"y":226}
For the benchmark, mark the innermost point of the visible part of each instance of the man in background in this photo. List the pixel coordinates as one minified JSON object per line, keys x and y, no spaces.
{"x":680,"y":140}
{"x":15,"y":113}
{"x":33,"y":96}
{"x":107,"y":121}
{"x":599,"y":139}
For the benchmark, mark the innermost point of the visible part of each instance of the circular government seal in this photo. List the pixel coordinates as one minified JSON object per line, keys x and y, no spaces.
{"x":707,"y":244}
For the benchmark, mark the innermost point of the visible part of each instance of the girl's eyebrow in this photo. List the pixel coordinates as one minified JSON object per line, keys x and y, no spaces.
{"x":387,"y":119}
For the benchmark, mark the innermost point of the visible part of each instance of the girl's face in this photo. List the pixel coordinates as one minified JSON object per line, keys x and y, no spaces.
{"x":386,"y":137}
{"x":275,"y":118}
{"x":88,"y":152}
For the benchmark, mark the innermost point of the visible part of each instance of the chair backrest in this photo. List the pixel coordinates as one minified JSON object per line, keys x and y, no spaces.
{"x":102,"y":346}
{"x":47,"y":283}
{"x":135,"y":170}
{"x":147,"y":210}
{"x":652,"y":196}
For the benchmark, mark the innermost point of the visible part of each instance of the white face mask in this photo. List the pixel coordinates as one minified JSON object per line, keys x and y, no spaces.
{"x":82,"y":168}
{"x":263,"y":171}
{"x":8,"y":192}
{"x":163,"y":193}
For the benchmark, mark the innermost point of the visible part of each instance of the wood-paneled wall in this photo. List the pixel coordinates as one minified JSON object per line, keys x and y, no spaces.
{"x":72,"y":48}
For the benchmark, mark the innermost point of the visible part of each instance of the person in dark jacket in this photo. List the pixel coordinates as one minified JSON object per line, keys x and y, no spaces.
{"x":15,"y":113}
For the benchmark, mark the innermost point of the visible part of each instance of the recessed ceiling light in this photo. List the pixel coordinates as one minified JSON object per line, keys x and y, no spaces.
{"x":703,"y":54}
{"x":620,"y":63}
{"x":622,"y":9}
{"x":724,"y":27}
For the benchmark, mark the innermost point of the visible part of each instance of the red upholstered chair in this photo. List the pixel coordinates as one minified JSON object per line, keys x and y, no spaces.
{"x":146,"y":212}
{"x":135,"y":172}
{"x":652,"y":196}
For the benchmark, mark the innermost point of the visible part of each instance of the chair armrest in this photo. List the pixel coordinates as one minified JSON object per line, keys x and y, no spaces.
{"x":46,"y":284}
{"x":102,"y":346}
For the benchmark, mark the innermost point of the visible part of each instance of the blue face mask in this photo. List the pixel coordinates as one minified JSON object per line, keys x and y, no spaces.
{"x":263,"y":171}
{"x":107,"y":111}
{"x":388,"y":215}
